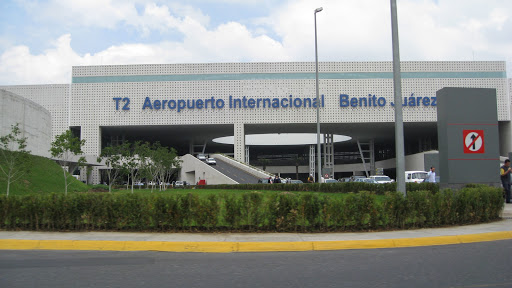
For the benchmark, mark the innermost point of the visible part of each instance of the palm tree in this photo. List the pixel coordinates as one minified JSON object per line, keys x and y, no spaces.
{"x":264,"y":163}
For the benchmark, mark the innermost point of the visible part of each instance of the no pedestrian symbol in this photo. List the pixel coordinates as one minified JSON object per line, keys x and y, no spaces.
{"x":473,"y":141}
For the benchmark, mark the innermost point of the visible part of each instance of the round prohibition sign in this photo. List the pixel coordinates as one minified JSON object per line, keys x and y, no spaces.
{"x":474,"y":142}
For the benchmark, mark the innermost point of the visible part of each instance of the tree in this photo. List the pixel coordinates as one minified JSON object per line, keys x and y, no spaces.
{"x":14,"y":160}
{"x":63,"y":149}
{"x":114,"y":161}
{"x":264,"y":163}
{"x":297,"y":159}
{"x":131,"y":161}
{"x":147,"y":156}
{"x":165,"y":161}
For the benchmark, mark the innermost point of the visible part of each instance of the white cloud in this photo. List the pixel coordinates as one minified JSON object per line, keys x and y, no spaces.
{"x":112,"y":14}
{"x":229,"y":42}
{"x":91,"y":13}
{"x":19,"y":66}
{"x":347,"y":31}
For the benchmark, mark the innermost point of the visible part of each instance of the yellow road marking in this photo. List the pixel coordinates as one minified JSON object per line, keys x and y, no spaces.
{"x":227,"y":247}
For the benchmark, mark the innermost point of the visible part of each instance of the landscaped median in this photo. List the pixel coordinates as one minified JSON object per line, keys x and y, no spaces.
{"x":251,"y":211}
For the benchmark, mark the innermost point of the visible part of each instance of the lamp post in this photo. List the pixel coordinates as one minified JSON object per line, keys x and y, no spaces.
{"x":319,"y":161}
{"x":397,"y":84}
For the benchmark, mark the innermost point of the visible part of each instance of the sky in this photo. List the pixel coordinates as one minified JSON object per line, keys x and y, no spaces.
{"x":40,"y":40}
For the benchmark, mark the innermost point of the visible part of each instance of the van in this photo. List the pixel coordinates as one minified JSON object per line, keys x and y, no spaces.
{"x":415,"y":176}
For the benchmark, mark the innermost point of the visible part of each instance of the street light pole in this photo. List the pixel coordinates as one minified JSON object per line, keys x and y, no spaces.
{"x":399,"y":123}
{"x":319,"y":161}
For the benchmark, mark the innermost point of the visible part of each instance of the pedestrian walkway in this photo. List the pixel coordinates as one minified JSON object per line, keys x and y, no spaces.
{"x":256,"y":242}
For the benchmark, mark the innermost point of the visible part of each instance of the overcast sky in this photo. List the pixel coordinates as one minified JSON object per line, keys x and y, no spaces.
{"x":41,"y":39}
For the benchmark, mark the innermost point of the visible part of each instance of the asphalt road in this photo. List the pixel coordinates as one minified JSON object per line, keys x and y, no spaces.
{"x":236,"y":174}
{"x":486,"y":264}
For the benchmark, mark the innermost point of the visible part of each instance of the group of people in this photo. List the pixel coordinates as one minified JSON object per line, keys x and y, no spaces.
{"x":275,"y":180}
{"x":505,"y":172}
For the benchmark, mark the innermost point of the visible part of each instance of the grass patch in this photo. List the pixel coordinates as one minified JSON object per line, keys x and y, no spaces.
{"x":45,"y":176}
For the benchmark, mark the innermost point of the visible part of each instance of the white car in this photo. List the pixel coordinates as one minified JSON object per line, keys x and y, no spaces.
{"x":201,"y":157}
{"x":179,"y":184}
{"x":415,"y":176}
{"x":211,"y":161}
{"x":381,"y":179}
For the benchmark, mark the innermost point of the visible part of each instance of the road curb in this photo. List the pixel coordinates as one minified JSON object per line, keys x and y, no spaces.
{"x":229,"y":247}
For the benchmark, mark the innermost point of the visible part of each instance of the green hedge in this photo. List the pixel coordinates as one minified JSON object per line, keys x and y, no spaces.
{"x":250,"y":211}
{"x":347,"y":187}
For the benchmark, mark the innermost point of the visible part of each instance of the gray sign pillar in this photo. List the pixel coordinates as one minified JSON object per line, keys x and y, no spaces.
{"x":467,"y":125}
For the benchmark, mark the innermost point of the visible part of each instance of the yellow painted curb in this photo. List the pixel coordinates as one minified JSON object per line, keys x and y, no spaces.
{"x":227,"y":247}
{"x":426,"y":241}
{"x":491,"y":236}
{"x":353,"y":244}
{"x":274,"y":246}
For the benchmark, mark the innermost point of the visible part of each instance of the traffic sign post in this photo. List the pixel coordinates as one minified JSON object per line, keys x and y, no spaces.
{"x":473,"y":141}
{"x":468,"y":136}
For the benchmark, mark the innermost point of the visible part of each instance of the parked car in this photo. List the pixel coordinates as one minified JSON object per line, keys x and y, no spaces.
{"x":330,"y":181}
{"x":370,"y":180}
{"x":381,"y":179}
{"x":295,"y":182}
{"x":345,"y":179}
{"x":415,"y":176}
{"x":211,"y":161}
{"x":201,"y":157}
{"x":360,"y":179}
{"x":179,"y":184}
{"x":353,"y":178}
{"x":263,"y":181}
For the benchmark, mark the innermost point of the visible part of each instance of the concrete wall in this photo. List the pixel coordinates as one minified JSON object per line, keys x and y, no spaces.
{"x":34,"y":122}
{"x":193,"y":170}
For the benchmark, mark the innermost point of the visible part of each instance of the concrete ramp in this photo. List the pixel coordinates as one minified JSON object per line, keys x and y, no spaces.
{"x":193,"y":170}
{"x":240,"y":172}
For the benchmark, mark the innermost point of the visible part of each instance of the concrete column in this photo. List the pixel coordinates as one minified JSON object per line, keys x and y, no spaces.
{"x":505,"y":128}
{"x":92,"y":147}
{"x":239,"y":142}
{"x":312,"y":163}
{"x":191,"y":148}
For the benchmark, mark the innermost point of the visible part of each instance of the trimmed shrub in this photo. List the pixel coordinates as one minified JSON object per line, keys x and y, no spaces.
{"x":251,"y":211}
{"x":346,"y":187}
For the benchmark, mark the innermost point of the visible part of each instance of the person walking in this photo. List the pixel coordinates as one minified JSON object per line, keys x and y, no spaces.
{"x":431,"y":176}
{"x":505,"y":178}
{"x":311,"y":179}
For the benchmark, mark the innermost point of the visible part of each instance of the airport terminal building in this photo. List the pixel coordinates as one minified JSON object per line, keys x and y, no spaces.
{"x":187,"y":106}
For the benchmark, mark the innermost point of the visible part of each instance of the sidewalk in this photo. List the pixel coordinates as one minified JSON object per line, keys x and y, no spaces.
{"x":255,"y":242}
